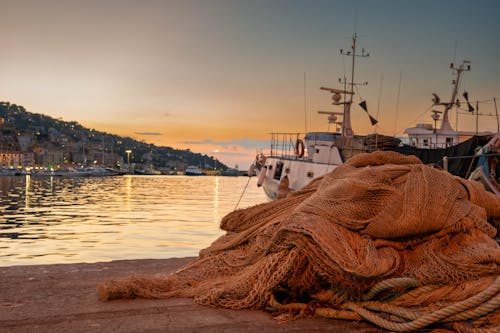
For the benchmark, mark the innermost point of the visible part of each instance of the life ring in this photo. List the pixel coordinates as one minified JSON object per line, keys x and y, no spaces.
{"x":299,"y":148}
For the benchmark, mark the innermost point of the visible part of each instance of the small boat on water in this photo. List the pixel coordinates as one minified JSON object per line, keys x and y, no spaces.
{"x":295,"y":159}
{"x":232,"y":172}
{"x":148,"y":170}
{"x":11,"y":172}
{"x":94,"y":171}
{"x":193,"y":170}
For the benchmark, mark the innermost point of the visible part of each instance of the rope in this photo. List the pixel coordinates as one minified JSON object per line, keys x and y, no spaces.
{"x":430,"y":318}
{"x":456,"y":312}
{"x":244,"y":190}
{"x":337,"y":314}
{"x":389,"y":284}
{"x":464,"y":328}
{"x":393,"y":309}
{"x":416,"y":293}
{"x":481,"y":310}
{"x":495,"y":329}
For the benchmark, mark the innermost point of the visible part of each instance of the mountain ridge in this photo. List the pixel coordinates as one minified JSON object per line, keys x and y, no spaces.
{"x":79,"y":144}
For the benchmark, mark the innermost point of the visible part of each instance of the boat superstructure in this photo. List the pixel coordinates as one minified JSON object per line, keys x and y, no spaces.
{"x":295,"y":159}
{"x":429,"y":136}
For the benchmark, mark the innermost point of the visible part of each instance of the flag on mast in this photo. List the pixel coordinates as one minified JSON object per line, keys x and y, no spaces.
{"x":365,"y":107}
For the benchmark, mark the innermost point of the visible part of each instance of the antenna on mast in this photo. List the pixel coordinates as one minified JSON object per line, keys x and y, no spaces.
{"x":463,"y":67}
{"x":305,"y":105}
{"x":355,"y":21}
{"x":455,"y":50}
{"x":349,"y":86}
{"x":378,"y":105}
{"x":397,"y":102}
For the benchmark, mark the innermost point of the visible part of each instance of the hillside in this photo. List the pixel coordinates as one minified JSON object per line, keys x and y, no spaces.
{"x":69,"y":136}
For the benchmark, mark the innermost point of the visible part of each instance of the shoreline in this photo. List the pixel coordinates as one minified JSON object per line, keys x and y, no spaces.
{"x":63,"y":298}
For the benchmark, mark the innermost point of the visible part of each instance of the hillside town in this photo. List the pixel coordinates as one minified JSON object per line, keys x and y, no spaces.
{"x":21,"y":149}
{"x":30,"y":141}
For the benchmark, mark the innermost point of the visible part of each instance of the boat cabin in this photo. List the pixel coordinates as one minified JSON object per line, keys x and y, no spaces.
{"x":425,"y":136}
{"x":322,"y":147}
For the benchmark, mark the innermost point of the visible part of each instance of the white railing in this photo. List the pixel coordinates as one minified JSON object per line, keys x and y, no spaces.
{"x":283,"y":144}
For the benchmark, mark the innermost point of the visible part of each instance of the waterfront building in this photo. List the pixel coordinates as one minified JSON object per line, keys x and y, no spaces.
{"x":11,"y":153}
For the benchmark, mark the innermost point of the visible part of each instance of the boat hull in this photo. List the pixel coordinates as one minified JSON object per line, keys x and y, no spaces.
{"x":299,"y":173}
{"x":192,"y":174}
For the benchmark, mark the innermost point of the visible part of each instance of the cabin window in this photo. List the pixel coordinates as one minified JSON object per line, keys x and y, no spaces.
{"x":414,"y":142}
{"x":426,"y":143}
{"x":279,"y":170}
{"x":449,"y":142}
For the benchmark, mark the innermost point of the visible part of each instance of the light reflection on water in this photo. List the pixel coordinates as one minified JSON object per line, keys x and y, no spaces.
{"x":65,"y":220}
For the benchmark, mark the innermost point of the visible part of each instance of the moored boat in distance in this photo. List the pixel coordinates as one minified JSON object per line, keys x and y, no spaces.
{"x":148,"y":170}
{"x":93,"y":171}
{"x":233,"y":172}
{"x":193,"y":170}
{"x":295,"y":159}
{"x":12,"y":172}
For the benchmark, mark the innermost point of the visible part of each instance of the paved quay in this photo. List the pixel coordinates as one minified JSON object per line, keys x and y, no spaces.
{"x":63,"y":298}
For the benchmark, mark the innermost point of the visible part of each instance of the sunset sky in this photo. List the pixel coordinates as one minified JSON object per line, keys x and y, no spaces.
{"x":220,"y":75}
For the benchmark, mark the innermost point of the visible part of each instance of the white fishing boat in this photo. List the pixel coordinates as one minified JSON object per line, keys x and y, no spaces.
{"x":193,"y":170}
{"x":295,"y":159}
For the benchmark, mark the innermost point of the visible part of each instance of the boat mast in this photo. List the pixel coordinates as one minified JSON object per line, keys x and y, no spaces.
{"x":347,"y":131}
{"x":346,"y":121}
{"x":445,"y":123}
{"x":347,"y":107}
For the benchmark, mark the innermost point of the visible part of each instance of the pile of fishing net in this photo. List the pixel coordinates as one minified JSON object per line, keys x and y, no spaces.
{"x":382,"y":238}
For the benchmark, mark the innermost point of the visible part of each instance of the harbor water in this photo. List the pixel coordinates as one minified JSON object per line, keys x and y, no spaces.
{"x":47,"y":220}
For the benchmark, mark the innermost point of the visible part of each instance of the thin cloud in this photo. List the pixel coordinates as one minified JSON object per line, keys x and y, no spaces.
{"x":232,"y":144}
{"x":149,"y":133}
{"x":202,"y":142}
{"x":228,"y":154}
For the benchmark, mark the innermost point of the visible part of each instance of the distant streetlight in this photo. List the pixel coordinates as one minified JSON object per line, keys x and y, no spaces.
{"x":215,"y":159}
{"x":128,"y":159}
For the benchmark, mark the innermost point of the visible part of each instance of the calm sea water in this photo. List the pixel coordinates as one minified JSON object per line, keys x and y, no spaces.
{"x":67,"y":220}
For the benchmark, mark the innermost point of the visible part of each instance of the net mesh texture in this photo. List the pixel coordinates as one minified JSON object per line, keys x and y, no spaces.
{"x":381,"y":238}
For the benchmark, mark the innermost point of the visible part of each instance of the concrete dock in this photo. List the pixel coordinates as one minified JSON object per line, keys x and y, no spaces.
{"x":63,"y":298}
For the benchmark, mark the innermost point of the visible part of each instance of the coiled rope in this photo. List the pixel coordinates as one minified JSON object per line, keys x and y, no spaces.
{"x":487,"y":301}
{"x":404,"y":319}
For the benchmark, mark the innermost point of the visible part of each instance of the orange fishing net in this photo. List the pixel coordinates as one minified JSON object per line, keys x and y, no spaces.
{"x":382,"y":238}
